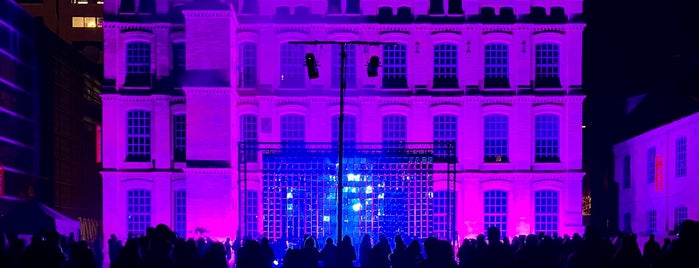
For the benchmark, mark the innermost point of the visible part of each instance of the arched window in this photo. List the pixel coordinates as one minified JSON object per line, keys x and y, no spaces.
{"x":395,"y":66}
{"x":248,"y":135}
{"x":394,"y":131}
{"x":138,"y":64}
{"x":350,"y":66}
{"x":138,"y":136}
{"x":248,"y":65}
{"x":138,"y":209}
{"x":293,"y":130}
{"x":445,"y":66}
{"x":495,"y":210}
{"x":292,"y":72}
{"x":445,"y":132}
{"x":349,"y":131}
{"x":547,"y":138}
{"x":497,"y":70}
{"x":495,"y":138}
{"x":547,"y":65}
{"x":546,"y":212}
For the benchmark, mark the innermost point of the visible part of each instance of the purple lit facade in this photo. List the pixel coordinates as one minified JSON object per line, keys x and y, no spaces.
{"x":182,"y":94}
{"x":657,"y":176}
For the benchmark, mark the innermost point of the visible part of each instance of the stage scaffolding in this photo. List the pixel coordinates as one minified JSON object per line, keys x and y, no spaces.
{"x":385,"y":190}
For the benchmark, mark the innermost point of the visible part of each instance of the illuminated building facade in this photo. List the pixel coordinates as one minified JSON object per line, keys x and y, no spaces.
{"x":656,"y":177}
{"x":210,"y":121}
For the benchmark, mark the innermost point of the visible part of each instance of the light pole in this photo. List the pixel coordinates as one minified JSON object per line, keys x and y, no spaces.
{"x":343,"y":88}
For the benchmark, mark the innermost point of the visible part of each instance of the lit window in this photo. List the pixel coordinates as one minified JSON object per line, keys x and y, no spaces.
{"x":546,"y":212}
{"x":495,"y":211}
{"x":445,"y":66}
{"x":650,"y":165}
{"x":445,"y":131}
{"x":350,"y":130}
{"x":87,"y":22}
{"x":78,"y":22}
{"x":496,"y":132}
{"x":395,"y":66}
{"x":293,"y":130}
{"x":547,"y":65}
{"x":394,"y":131}
{"x":248,"y":65}
{"x":293,"y":74}
{"x":138,"y":137}
{"x":138,"y":212}
{"x":496,"y":66}
{"x":681,"y":157}
{"x":180,"y":213}
{"x":100,"y":2}
{"x":350,"y":69}
{"x":180,"y":137}
{"x":546,"y":138}
{"x":248,"y":135}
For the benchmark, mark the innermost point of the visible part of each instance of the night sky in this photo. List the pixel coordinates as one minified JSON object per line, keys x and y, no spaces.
{"x":630,"y":48}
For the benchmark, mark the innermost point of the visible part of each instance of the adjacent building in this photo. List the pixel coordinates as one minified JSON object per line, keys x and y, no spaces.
{"x":656,"y":169}
{"x":78,"y":22}
{"x":50,"y":113}
{"x":212,"y":126}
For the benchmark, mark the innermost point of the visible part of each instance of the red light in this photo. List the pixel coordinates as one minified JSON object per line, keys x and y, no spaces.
{"x":98,"y":144}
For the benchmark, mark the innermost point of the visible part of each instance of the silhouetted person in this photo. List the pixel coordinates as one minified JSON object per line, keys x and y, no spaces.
{"x":528,"y":254}
{"x":651,"y":251}
{"x":398,"y":257}
{"x":328,"y":254}
{"x":628,"y":254}
{"x":228,"y":247}
{"x":346,"y":253}
{"x":592,"y":251}
{"x":413,"y":255}
{"x":248,"y":255}
{"x":379,"y":253}
{"x":466,"y":254}
{"x":81,"y":256}
{"x":365,"y":251}
{"x":496,"y":254}
{"x":684,"y":251}
{"x":266,"y":254}
{"x":310,"y":253}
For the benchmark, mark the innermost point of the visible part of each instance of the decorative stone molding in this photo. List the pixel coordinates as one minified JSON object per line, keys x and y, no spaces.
{"x":135,"y":99}
{"x":208,"y":13}
{"x":414,"y":99}
{"x":413,"y":27}
{"x":208,"y":171}
{"x":209,"y":90}
{"x":139,"y":26}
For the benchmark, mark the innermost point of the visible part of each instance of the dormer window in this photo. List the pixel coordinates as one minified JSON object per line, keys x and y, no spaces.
{"x":137,"y":6}
{"x":351,"y":6}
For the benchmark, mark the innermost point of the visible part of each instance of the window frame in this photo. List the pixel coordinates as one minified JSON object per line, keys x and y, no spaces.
{"x":394,"y":69}
{"x":547,"y":68}
{"x":681,"y":157}
{"x":500,"y":210}
{"x":502,"y":137}
{"x":139,"y":151}
{"x":547,"y":141}
{"x":445,"y":65}
{"x":248,"y":68}
{"x":394,"y":131}
{"x":496,"y":65}
{"x":138,"y":218}
{"x":541,"y":209}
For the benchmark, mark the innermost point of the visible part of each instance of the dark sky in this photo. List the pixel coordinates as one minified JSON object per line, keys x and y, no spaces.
{"x":630,"y":47}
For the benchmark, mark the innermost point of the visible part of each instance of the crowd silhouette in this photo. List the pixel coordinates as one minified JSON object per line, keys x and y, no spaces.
{"x":161,"y":247}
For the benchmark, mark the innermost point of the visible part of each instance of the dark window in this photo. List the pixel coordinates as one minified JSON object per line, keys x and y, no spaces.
{"x":334,"y":6}
{"x":395,"y":67}
{"x":496,"y":66}
{"x":352,"y":7}
{"x":138,"y":137}
{"x":455,"y":7}
{"x":547,"y":66}
{"x":178,"y":59}
{"x":180,"y":137}
{"x":436,"y":7}
{"x":146,"y":6}
{"x":627,"y":172}
{"x":249,"y":7}
{"x":127,"y":6}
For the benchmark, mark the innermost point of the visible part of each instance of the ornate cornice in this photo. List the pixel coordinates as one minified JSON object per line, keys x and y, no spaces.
{"x":136,"y":99}
{"x":413,"y":27}
{"x":414,"y":99}
{"x":207,"y":13}
{"x":208,"y":171}
{"x":140,"y":25}
{"x":209,"y":90}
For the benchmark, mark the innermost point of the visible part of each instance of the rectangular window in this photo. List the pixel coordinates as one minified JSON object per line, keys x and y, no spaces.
{"x":495,"y":211}
{"x":249,"y":7}
{"x":248,"y":65}
{"x":293,"y":130}
{"x":455,"y":7}
{"x":443,"y":207}
{"x":138,"y":58}
{"x":680,"y":216}
{"x":87,"y":22}
{"x":436,"y":7}
{"x":178,"y":58}
{"x":497,"y":71}
{"x":248,"y":135}
{"x":252,"y":214}
{"x":652,"y":222}
{"x":395,"y":66}
{"x":293,"y":73}
{"x":650,"y":165}
{"x":394,"y":131}
{"x":496,"y":133}
{"x":547,"y":66}
{"x":180,"y":213}
{"x":546,"y":212}
{"x":352,"y":7}
{"x":350,"y":130}
{"x":180,"y":137}
{"x":547,"y":127}
{"x":334,"y":6}
{"x":681,"y":157}
{"x":627,"y":172}
{"x":350,"y":67}
{"x":138,"y":136}
{"x":138,"y":212}
{"x":444,"y":134}
{"x":445,"y":66}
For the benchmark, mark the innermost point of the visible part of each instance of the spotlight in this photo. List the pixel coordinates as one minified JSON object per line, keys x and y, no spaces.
{"x":312,"y":66}
{"x":372,"y":70}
